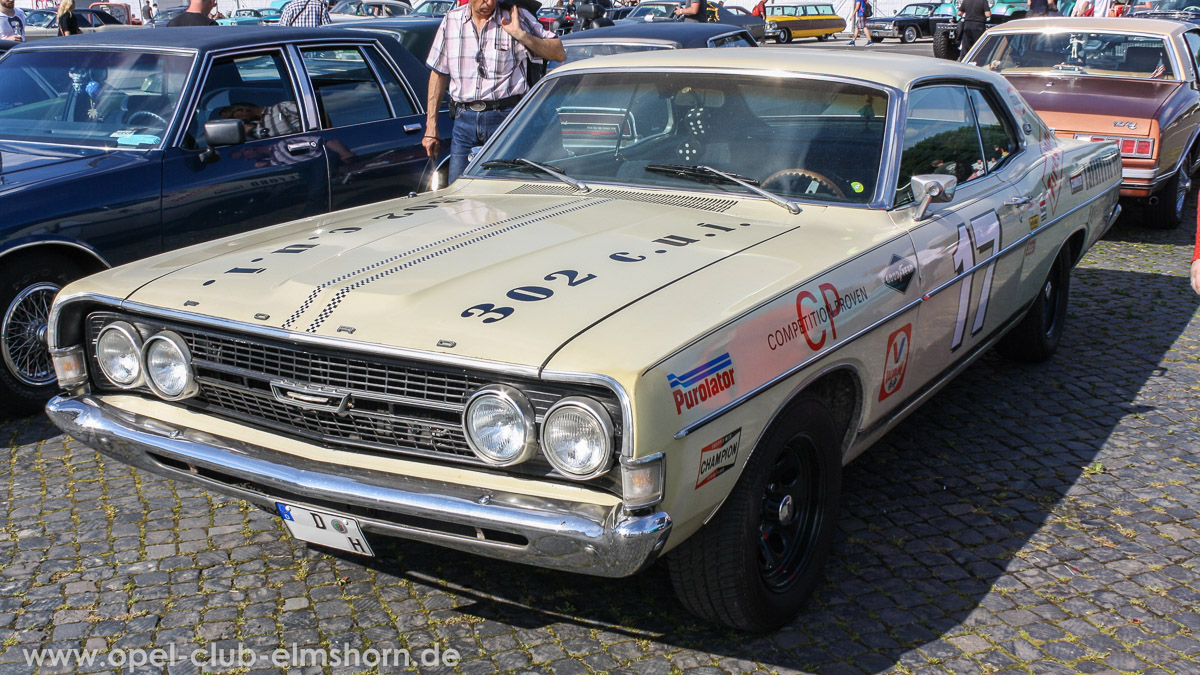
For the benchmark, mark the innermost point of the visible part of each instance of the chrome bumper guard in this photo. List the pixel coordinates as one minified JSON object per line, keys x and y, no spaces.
{"x":557,"y":534}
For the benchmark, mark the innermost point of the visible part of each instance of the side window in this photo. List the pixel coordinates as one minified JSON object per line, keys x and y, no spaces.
{"x":401,"y":104}
{"x":727,"y":41}
{"x":940,"y":137}
{"x":997,"y":136}
{"x":347,"y":92}
{"x":1193,"y":43}
{"x":253,"y":88}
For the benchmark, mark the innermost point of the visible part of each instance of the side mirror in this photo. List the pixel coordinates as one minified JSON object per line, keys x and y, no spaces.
{"x":931,"y":188}
{"x":220,"y":133}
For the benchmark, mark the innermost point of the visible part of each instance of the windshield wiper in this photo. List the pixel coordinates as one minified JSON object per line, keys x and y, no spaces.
{"x":521,"y":162}
{"x":705,"y":174}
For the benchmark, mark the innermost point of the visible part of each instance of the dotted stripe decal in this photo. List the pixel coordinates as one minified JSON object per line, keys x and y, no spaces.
{"x":312,"y":297}
{"x":525,"y":220}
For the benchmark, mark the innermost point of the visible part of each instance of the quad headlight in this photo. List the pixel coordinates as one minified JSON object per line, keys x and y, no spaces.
{"x":119,"y":353}
{"x":577,"y":437}
{"x":168,"y":367}
{"x":500,"y":425}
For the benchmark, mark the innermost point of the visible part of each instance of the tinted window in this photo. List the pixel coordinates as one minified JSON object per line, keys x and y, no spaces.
{"x":940,"y":137}
{"x":1193,"y":43}
{"x":347,"y":92}
{"x":402,"y":105}
{"x":252,"y":88}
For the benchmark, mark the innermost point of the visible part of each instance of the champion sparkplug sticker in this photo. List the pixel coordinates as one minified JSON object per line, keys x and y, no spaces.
{"x":718,"y":457}
{"x":701,"y":383}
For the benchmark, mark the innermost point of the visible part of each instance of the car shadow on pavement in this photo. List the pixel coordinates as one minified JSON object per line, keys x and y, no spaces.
{"x":958,"y":522}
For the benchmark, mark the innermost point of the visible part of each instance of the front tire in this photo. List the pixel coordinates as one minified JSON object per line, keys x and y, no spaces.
{"x":27,"y":287}
{"x":909,"y":35}
{"x":762,"y":555}
{"x":1167,"y":213}
{"x":822,"y":38}
{"x":784,"y":37}
{"x":1036,"y":338}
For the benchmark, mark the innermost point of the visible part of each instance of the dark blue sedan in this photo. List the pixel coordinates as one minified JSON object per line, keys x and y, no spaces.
{"x":106,"y":157}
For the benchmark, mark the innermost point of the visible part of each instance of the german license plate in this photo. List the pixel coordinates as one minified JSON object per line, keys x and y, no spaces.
{"x":326,"y":529}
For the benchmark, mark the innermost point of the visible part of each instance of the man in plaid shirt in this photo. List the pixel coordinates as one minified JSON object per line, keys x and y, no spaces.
{"x":482,"y":54}
{"x":305,"y":13}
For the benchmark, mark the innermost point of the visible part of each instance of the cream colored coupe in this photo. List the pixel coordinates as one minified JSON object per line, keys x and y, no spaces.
{"x":665,"y":305}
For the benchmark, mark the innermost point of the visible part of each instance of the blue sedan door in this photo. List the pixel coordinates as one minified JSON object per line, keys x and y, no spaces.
{"x":370,"y":124}
{"x":278,"y":174}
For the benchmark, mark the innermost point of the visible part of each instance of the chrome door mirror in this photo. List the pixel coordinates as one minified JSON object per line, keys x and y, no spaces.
{"x":931,"y":188}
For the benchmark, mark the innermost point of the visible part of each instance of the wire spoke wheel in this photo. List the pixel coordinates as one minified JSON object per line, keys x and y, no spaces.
{"x":23,"y":335}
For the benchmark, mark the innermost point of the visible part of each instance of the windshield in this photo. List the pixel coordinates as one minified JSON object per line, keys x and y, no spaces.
{"x":103,"y":99}
{"x":811,"y":140}
{"x":915,"y":10}
{"x":577,"y":52}
{"x":39,"y":17}
{"x":118,"y":12}
{"x":645,"y":10}
{"x":1104,"y":54}
{"x":434,"y":8}
{"x":551,"y":11}
{"x":1174,"y":6}
{"x":168,"y":14}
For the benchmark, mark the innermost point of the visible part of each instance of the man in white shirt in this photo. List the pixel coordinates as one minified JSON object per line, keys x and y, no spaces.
{"x":12,"y":21}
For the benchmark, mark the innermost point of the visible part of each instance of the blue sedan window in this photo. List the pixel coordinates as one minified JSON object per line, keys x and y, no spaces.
{"x":90,"y":98}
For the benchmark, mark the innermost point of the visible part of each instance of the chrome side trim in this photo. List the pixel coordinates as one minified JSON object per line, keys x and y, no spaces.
{"x":577,"y":537}
{"x":1018,"y":244}
{"x":58,"y":242}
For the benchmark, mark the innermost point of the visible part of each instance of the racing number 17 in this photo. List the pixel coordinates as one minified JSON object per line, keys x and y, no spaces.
{"x":979,"y":240}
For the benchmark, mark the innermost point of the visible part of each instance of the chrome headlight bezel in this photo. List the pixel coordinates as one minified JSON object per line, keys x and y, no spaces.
{"x":523,"y":409}
{"x":134,"y":339}
{"x":603,"y":419}
{"x":190,"y":387}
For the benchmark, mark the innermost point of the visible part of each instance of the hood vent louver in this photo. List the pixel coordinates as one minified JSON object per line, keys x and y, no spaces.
{"x":685,"y":201}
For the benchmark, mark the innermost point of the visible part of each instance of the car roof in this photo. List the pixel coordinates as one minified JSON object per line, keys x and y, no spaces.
{"x":1101,"y":24}
{"x":408,"y":21}
{"x":657,"y":30}
{"x":196,"y":38}
{"x":887,"y":68}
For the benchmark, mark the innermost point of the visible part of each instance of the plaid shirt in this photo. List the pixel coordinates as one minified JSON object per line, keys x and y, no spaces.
{"x":485,"y":66}
{"x":305,"y":13}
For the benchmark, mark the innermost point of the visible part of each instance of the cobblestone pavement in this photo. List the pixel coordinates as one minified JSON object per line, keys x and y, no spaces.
{"x":1029,"y":519}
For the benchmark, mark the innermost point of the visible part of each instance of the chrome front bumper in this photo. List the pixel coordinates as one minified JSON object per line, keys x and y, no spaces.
{"x":583,"y":538}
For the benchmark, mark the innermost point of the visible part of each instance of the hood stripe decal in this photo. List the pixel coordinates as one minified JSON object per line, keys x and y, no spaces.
{"x":521,"y":222}
{"x":312,"y":297}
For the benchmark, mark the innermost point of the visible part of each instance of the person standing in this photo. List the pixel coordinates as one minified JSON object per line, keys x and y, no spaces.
{"x":12,"y":21}
{"x":974,"y":15}
{"x":695,"y":12}
{"x":1101,"y":7}
{"x":195,"y":15}
{"x":482,"y":56}
{"x":760,"y":10}
{"x":1196,"y":258}
{"x":860,"y":23}
{"x":147,"y":13}
{"x":306,"y":13}
{"x":68,"y":24}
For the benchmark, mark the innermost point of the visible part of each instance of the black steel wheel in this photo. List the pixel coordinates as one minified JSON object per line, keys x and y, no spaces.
{"x":761,"y":556}
{"x":1036,"y":338}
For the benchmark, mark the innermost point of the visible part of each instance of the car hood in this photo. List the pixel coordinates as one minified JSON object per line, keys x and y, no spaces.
{"x":500,"y":277}
{"x":25,"y":165}
{"x":1094,"y":104}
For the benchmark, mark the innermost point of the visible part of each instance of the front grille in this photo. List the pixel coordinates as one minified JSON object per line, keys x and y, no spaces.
{"x":392,"y":407}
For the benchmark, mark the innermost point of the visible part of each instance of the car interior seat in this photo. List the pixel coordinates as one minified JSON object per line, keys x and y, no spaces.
{"x":1146,"y":59}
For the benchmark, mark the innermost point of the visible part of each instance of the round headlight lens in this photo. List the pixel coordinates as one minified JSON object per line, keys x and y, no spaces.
{"x":500,"y":425}
{"x":166,"y":360}
{"x":119,"y":353}
{"x":577,"y":437}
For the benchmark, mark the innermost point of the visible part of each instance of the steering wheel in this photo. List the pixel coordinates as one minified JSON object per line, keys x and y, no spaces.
{"x":155,"y":116}
{"x":1193,"y":8}
{"x":820,"y":179}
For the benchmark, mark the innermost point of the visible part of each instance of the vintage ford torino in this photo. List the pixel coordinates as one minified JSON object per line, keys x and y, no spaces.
{"x":665,"y":305}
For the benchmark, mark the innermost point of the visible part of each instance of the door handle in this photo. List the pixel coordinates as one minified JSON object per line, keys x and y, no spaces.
{"x":296,"y":147}
{"x":412,"y":128}
{"x":1019,"y":201}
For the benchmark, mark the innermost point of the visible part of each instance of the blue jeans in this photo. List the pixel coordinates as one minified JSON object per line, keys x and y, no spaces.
{"x":471,"y":129}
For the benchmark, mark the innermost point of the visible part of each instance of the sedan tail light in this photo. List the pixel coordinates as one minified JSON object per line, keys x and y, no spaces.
{"x":1130,"y":147}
